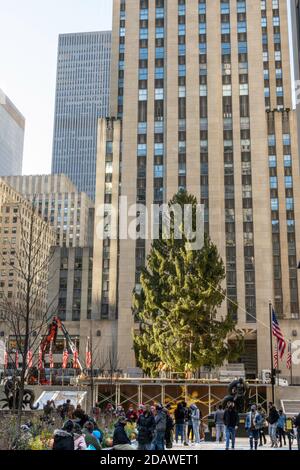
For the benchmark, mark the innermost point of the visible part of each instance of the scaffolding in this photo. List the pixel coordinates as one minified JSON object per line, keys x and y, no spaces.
{"x":207,"y":395}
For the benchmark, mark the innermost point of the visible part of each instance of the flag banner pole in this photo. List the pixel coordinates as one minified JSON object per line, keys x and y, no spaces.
{"x":271,"y":346}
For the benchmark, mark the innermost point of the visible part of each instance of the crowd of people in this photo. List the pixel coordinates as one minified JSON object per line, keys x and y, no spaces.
{"x":159,"y":427}
{"x":258,"y":423}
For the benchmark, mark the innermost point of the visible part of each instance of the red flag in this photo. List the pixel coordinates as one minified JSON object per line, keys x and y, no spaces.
{"x":289,"y":356}
{"x":40,"y":360}
{"x":88,"y":355}
{"x":65,"y":356}
{"x":5,"y":359}
{"x":17,"y":359}
{"x":29,"y":358}
{"x":51,"y":361}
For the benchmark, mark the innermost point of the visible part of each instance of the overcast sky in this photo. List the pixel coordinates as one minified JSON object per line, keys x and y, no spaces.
{"x":29,"y":32}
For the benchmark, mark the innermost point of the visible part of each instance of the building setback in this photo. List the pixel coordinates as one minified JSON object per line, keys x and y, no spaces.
{"x":16,"y":222}
{"x":82,"y":96}
{"x":68,"y":211}
{"x":201,"y":99}
{"x":12,"y":128}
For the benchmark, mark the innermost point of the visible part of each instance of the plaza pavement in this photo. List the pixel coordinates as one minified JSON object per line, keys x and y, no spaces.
{"x":241,"y":444}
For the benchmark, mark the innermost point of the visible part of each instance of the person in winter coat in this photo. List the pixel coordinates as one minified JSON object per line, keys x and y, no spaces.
{"x":90,"y":439}
{"x":169,"y":429}
{"x":158,"y":442}
{"x":281,"y":426}
{"x":273,"y":421}
{"x":79,"y":439}
{"x":196,"y":418}
{"x":297,"y":424}
{"x":131,"y":415}
{"x":231,"y":421}
{"x":146,"y":427}
{"x":179,"y":423}
{"x":63,"y":438}
{"x":252,"y":426}
{"x":80,"y":416}
{"x":120,"y":439}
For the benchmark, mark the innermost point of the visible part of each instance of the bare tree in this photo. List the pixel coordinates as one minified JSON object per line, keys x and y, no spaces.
{"x":27,"y":310}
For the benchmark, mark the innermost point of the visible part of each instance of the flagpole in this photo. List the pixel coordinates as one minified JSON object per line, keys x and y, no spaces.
{"x":292,"y":379}
{"x":272,"y":357}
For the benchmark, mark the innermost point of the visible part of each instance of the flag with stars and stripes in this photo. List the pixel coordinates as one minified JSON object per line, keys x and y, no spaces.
{"x":289,"y":356}
{"x":278,"y":335}
{"x":276,"y":360}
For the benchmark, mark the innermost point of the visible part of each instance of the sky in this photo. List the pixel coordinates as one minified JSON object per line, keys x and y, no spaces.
{"x":29,"y":32}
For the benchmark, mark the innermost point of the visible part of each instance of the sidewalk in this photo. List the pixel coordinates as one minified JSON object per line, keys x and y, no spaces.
{"x":241,"y":444}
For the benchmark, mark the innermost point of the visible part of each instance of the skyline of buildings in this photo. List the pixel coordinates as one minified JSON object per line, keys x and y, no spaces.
{"x":12,"y":128}
{"x":82,"y":96}
{"x":200,"y":99}
{"x":68,"y":211}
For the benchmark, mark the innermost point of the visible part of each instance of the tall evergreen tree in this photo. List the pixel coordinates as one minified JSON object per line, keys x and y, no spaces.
{"x":178,"y":304}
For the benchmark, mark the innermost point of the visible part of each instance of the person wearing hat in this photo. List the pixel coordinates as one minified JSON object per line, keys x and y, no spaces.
{"x":145,"y":426}
{"x":120,"y":439}
{"x":64,"y":438}
{"x":90,"y":439}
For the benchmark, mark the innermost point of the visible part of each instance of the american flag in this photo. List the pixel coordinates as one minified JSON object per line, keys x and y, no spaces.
{"x":88,"y":355}
{"x":276,"y":361}
{"x":65,"y":356}
{"x":278,"y":335}
{"x":29,"y":358}
{"x":75,"y":359}
{"x":5,"y":359}
{"x":289,"y":356}
{"x":40,"y":360}
{"x":51,"y":361}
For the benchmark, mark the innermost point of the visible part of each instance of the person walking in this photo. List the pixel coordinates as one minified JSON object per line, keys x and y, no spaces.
{"x":297,"y":425}
{"x":253,"y":420}
{"x":180,"y":423}
{"x":190,"y":430}
{"x":281,"y":428}
{"x":231,"y":421}
{"x":160,"y":417}
{"x":273,"y":421}
{"x":219,"y":422}
{"x":120,"y":439}
{"x":262,"y":434}
{"x":196,"y":419}
{"x":145,"y":427}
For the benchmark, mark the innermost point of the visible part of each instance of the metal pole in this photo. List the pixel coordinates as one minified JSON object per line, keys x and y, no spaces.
{"x":292,"y":378}
{"x":272,"y":357}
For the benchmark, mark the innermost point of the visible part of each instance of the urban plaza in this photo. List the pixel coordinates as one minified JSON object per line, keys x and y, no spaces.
{"x":149,"y":230}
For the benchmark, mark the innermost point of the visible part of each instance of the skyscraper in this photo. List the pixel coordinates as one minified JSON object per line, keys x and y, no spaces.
{"x":82,"y":96}
{"x":12,"y":127}
{"x":202,"y":92}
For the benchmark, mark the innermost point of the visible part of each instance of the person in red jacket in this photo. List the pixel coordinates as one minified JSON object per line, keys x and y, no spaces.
{"x":131,"y":415}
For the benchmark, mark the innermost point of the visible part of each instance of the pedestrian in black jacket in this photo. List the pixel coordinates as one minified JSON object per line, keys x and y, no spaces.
{"x":231,"y":421}
{"x":146,"y":427}
{"x":297,"y":424}
{"x":120,"y":440}
{"x":179,"y":423}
